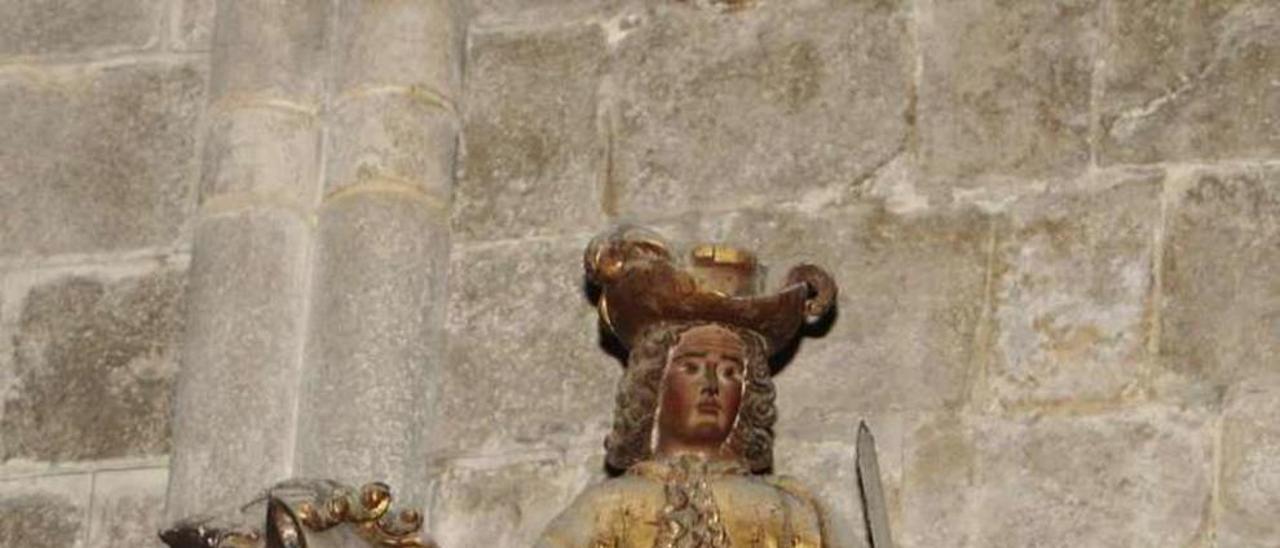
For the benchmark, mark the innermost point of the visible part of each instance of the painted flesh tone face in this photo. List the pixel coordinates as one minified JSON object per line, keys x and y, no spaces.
{"x":701,"y":392}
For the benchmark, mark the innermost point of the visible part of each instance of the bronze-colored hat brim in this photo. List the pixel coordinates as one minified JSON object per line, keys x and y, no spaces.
{"x":653,"y":292}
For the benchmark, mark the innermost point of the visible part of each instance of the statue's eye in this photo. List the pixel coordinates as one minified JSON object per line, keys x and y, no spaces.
{"x":689,"y":368}
{"x":731,"y":371}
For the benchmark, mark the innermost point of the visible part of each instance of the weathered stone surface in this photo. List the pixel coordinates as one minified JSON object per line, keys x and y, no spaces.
{"x":45,"y":512}
{"x":533,"y":156}
{"x":1220,"y":316}
{"x":1071,"y":302}
{"x":395,"y":137}
{"x":9,"y":311}
{"x":403,"y":43}
{"x":715,"y":111}
{"x":547,"y":13}
{"x":508,"y":506}
{"x":1187,"y":80}
{"x":193,"y":25}
{"x":128,"y":507}
{"x":376,"y":343}
{"x":276,"y":50}
{"x":104,"y":158}
{"x":1250,"y":480}
{"x":911,"y":294}
{"x":71,"y":26}
{"x":939,"y":467}
{"x":1138,"y":478}
{"x":94,"y":358}
{"x":826,"y":465}
{"x":236,"y":397}
{"x":1005,"y":89}
{"x":523,"y":350}
{"x":262,"y":150}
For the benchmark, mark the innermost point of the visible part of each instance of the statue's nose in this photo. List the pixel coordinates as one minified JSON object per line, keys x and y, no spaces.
{"x":709,"y":383}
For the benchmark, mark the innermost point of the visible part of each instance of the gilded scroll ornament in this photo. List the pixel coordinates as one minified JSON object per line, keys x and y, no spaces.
{"x":297,"y":512}
{"x":368,"y":512}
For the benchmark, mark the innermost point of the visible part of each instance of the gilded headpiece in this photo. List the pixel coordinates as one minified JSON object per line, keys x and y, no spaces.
{"x":643,"y":283}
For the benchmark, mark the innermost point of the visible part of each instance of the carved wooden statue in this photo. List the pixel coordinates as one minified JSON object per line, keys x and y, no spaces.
{"x":693,"y":425}
{"x":692,"y":434}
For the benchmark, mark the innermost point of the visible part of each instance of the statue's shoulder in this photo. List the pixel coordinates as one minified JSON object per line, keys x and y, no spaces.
{"x":808,"y":513}
{"x":791,"y":486}
{"x":616,"y":490}
{"x":577,"y":524}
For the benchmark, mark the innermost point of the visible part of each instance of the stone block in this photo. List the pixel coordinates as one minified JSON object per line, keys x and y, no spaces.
{"x":1004,"y":90}
{"x":1071,"y":301}
{"x":1220,"y":315}
{"x":485,"y":14}
{"x":396,"y":137}
{"x":73,"y":27}
{"x":507,"y":506}
{"x":525,"y":363}
{"x":712,"y":111}
{"x":45,"y":512}
{"x":128,"y":506}
{"x":1250,"y":474}
{"x":104,"y":158}
{"x":262,"y":150}
{"x":234,"y":409}
{"x":911,"y":295}
{"x":376,"y":345}
{"x":1137,"y":478}
{"x":273,"y":50}
{"x":193,"y":25}
{"x":1186,"y":80}
{"x":94,"y":358}
{"x":9,"y":312}
{"x":533,"y":156}
{"x":938,"y":463}
{"x":405,"y":43}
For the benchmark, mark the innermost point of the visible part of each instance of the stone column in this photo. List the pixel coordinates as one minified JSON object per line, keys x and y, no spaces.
{"x":376,"y":339}
{"x":235,"y":408}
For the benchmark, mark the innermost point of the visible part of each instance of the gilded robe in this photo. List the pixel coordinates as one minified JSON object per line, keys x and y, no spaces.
{"x":676,"y":504}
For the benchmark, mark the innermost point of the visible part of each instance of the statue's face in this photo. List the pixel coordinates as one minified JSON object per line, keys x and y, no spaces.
{"x":702,"y":389}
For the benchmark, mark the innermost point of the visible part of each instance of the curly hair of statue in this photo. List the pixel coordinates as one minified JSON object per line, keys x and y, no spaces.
{"x":639,"y":391}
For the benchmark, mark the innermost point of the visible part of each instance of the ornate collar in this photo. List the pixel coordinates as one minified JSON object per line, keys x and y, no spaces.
{"x":681,"y":468}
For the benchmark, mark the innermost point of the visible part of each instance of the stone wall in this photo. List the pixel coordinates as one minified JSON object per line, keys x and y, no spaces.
{"x":1056,"y":227}
{"x":102,"y":105}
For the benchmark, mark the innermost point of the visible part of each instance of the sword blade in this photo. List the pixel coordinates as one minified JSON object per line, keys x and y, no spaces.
{"x":873,"y":506}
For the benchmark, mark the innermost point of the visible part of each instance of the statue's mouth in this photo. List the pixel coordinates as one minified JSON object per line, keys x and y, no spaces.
{"x":709,"y":407}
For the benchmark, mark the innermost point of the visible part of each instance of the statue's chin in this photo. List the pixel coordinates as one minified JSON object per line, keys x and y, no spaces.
{"x":701,"y":438}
